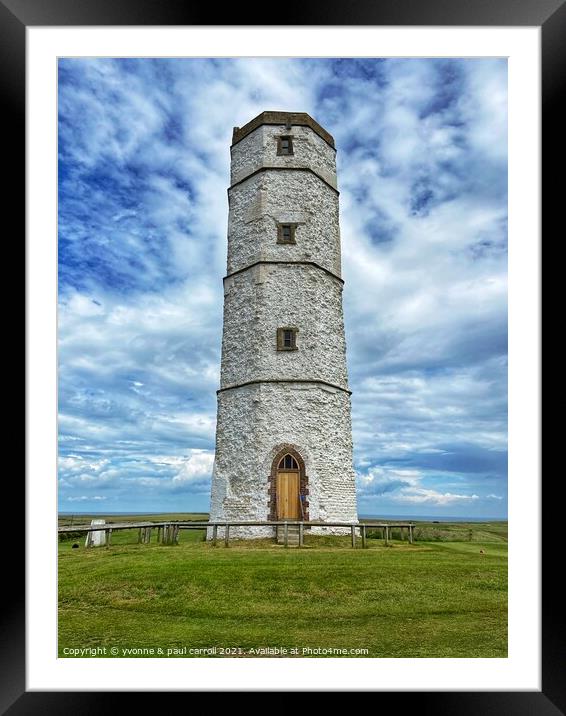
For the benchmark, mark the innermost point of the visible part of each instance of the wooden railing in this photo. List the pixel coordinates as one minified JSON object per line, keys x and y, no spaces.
{"x":168,"y":532}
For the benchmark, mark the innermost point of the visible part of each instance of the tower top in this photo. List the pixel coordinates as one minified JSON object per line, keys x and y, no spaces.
{"x":288,"y":118}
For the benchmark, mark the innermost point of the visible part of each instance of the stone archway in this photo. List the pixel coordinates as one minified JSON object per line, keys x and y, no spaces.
{"x":290,"y":456}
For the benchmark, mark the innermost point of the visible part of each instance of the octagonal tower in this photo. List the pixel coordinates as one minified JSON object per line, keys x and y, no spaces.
{"x":283,"y":435}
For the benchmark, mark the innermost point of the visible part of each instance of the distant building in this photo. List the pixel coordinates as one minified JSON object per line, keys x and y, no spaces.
{"x":284,"y":435}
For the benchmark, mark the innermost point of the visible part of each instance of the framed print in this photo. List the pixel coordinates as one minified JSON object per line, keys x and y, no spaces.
{"x":131,"y":423}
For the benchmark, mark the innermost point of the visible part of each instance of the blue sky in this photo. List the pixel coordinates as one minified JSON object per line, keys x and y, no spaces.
{"x":143,"y":171}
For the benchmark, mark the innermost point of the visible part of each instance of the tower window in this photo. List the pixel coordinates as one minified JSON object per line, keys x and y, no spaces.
{"x":285,"y":145}
{"x":288,"y":462}
{"x":287,"y":339}
{"x":286,"y":233}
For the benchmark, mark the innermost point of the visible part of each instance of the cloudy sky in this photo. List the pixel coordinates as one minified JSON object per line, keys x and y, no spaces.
{"x":143,"y":171}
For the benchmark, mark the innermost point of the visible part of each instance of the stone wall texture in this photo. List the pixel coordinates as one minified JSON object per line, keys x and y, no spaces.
{"x":293,"y":196}
{"x":268,"y":296}
{"x":259,"y":149}
{"x":270,"y":398}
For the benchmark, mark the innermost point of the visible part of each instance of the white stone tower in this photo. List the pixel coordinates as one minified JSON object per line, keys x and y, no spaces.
{"x":284,"y":434}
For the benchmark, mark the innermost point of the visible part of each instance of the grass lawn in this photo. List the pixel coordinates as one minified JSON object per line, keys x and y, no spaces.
{"x":431,"y":599}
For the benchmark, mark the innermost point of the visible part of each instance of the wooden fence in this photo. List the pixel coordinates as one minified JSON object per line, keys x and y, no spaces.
{"x":168,"y":532}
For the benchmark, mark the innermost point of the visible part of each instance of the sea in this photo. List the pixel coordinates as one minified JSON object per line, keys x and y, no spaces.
{"x":433,"y":518}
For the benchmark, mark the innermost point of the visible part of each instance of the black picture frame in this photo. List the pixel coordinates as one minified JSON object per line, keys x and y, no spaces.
{"x":550,"y":16}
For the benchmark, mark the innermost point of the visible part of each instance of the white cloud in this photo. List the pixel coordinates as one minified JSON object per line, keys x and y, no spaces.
{"x":197,"y":467}
{"x":79,"y":462}
{"x":421,"y":496}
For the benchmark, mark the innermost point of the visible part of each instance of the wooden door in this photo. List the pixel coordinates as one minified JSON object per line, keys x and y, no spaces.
{"x":288,"y":495}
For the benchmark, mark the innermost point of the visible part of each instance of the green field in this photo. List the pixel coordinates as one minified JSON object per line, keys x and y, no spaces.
{"x":444,"y":596}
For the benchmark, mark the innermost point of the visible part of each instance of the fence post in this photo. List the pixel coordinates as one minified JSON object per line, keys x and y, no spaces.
{"x":411,"y":534}
{"x":364,"y":544}
{"x":386,"y":535}
{"x":226,"y":535}
{"x":286,"y":535}
{"x":353,"y":537}
{"x":301,"y":534}
{"x":214,"y":535}
{"x":108,"y":537}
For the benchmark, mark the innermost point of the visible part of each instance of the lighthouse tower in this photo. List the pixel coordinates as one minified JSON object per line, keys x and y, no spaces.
{"x":284,"y":434}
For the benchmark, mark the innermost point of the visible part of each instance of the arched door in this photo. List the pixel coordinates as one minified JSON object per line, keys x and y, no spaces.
{"x":288,"y":489}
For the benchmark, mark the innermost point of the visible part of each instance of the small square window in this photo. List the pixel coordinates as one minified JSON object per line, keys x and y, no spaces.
{"x":286,"y":233}
{"x":287,"y":339}
{"x":285,"y":145}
